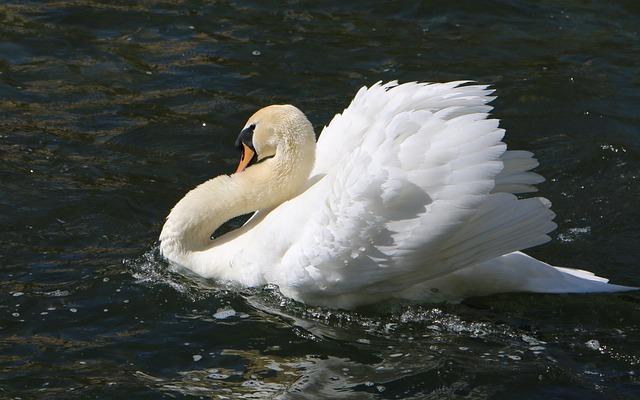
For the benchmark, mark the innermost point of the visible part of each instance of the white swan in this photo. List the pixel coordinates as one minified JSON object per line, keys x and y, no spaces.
{"x":408,"y":194}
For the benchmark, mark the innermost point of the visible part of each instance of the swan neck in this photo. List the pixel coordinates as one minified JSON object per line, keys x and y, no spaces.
{"x":203,"y":210}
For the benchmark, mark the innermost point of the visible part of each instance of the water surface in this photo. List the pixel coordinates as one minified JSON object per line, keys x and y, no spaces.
{"x":110,"y":111}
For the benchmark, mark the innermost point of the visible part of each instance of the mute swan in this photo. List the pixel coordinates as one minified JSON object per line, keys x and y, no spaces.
{"x":408,"y":194}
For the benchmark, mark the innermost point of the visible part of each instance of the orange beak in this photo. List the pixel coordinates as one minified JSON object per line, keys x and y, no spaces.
{"x":247,"y":156}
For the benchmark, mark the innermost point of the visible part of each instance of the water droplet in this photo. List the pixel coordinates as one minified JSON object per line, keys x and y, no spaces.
{"x":217,"y":376}
{"x":224,"y":313}
{"x":73,"y":310}
{"x":197,"y":357}
{"x":58,"y":293}
{"x":256,"y":52}
{"x":593,"y":344}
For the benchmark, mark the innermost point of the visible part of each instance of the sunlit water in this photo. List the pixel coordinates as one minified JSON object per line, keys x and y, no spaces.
{"x":111,"y":111}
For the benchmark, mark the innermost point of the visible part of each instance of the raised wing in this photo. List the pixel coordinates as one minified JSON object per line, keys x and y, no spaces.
{"x":347,"y":131}
{"x":408,"y":179}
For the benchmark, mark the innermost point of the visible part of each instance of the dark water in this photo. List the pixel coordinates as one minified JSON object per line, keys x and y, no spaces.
{"x":110,"y":111}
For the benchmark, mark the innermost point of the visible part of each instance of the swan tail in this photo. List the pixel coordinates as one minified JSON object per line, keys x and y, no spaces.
{"x":511,"y":273}
{"x":581,"y":281}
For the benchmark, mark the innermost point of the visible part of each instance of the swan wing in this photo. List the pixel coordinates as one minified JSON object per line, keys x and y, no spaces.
{"x":516,"y":175}
{"x":411,"y":186}
{"x":347,"y":130}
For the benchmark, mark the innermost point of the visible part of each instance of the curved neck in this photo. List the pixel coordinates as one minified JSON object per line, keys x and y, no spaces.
{"x":198,"y":214}
{"x":192,"y":220}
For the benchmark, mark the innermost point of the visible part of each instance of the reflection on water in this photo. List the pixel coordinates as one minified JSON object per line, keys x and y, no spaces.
{"x":111,"y":111}
{"x":412,"y":350}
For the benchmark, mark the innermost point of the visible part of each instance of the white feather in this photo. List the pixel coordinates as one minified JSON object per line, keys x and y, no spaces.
{"x":411,"y":196}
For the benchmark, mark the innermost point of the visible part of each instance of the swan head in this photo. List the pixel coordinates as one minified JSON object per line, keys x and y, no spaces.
{"x":278,"y":152}
{"x":277,"y":146}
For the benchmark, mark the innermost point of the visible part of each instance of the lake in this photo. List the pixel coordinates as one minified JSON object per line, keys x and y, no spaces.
{"x":110,"y":111}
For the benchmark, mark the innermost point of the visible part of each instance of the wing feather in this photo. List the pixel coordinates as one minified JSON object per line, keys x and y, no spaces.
{"x":516,"y":176}
{"x":411,"y":178}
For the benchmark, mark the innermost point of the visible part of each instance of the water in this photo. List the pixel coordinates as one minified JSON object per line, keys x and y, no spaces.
{"x":111,"y":111}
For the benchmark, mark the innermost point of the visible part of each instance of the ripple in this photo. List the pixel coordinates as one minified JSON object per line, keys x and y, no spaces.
{"x":111,"y":111}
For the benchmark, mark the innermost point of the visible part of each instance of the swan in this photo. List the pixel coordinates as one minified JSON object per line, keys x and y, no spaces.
{"x":408,"y":194}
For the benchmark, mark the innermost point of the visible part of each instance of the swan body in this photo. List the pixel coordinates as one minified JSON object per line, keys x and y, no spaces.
{"x":408,"y":194}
